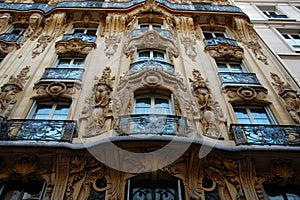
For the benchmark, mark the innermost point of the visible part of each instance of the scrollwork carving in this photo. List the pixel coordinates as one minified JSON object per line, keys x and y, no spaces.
{"x":74,"y":45}
{"x":34,"y":29}
{"x":111,"y":45}
{"x":224,"y":50}
{"x":246,"y":94}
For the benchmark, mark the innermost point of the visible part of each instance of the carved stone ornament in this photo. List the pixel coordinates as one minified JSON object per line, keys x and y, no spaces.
{"x":225,"y":50}
{"x":224,"y":173}
{"x":290,"y":97}
{"x":6,"y":47}
{"x":34,"y":29}
{"x":54,"y":26}
{"x":210,"y":115}
{"x":246,"y":33}
{"x":5,"y":19}
{"x":25,"y":164}
{"x":189,"y":46}
{"x":115,"y":24}
{"x":74,"y":45}
{"x":281,"y":172}
{"x":55,"y":90}
{"x":151,"y":79}
{"x":214,"y":2}
{"x":151,"y":39}
{"x":9,"y":92}
{"x":97,"y":116}
{"x":246,"y":94}
{"x":111,"y":45}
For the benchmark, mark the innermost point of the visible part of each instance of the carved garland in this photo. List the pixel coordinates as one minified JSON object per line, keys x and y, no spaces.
{"x":75,"y":45}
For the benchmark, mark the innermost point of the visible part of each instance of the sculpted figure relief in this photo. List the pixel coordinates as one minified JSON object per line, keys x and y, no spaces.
{"x":290,"y":97}
{"x":34,"y":29}
{"x":9,"y":91}
{"x":209,"y":115}
{"x":98,"y":112}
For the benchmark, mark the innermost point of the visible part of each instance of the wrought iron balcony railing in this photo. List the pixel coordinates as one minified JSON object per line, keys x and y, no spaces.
{"x":162,"y":32}
{"x":239,"y":78}
{"x":38,"y":130}
{"x":63,"y":73}
{"x":10,"y":37}
{"x":152,"y":64}
{"x":81,"y":36}
{"x":258,"y":134}
{"x":217,"y":40}
{"x":152,"y":124}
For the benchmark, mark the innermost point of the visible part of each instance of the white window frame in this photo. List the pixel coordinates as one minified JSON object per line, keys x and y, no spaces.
{"x":292,"y":42}
{"x":152,"y":103}
{"x":35,"y":105}
{"x":86,"y":29}
{"x":13,"y":27}
{"x":228,"y":65}
{"x":267,"y":110}
{"x":151,"y":26}
{"x":151,"y":53}
{"x":72,"y":59}
{"x":214,"y":32}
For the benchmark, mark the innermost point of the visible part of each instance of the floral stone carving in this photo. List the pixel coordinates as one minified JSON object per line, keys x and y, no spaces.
{"x":209,"y":115}
{"x":9,"y":92}
{"x":98,"y":112}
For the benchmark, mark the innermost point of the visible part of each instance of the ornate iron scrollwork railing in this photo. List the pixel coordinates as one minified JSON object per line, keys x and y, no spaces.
{"x":162,"y":32}
{"x":38,"y":130}
{"x":239,"y":78}
{"x":81,"y":36}
{"x":10,"y":37}
{"x":217,"y":40}
{"x":257,"y":134}
{"x":152,"y":124}
{"x":63,"y":73}
{"x":152,"y":64}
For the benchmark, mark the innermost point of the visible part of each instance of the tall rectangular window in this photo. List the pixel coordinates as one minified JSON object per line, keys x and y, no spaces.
{"x":292,"y":37}
{"x":54,"y":111}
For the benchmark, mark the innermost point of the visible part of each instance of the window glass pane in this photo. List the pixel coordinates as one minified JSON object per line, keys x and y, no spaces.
{"x":143,"y":106}
{"x":144,"y":26}
{"x":292,"y":196}
{"x":156,"y":27}
{"x":162,"y":106}
{"x":79,"y":30}
{"x":78,"y":63}
{"x":158,"y":55}
{"x":236,"y":68}
{"x":222,"y":67}
{"x":61,"y":112}
{"x":279,"y":197}
{"x":91,"y":32}
{"x":260,"y":116}
{"x":220,"y":35}
{"x":286,"y":36}
{"x":208,"y":35}
{"x":242,"y":116}
{"x":63,"y":63}
{"x":144,"y":55}
{"x":296,"y":37}
{"x":42,"y":112}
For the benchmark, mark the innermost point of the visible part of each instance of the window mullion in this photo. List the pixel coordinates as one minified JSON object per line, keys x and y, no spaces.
{"x":52,"y":111}
{"x":250,"y":115}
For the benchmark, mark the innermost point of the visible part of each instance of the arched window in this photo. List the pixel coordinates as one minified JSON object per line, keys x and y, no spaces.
{"x":154,"y":186}
{"x":18,"y":190}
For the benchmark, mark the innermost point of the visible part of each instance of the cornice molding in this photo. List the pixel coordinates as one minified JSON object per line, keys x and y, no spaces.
{"x":46,"y":8}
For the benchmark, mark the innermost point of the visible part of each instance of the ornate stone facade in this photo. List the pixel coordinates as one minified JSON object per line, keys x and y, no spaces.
{"x":153,"y":99}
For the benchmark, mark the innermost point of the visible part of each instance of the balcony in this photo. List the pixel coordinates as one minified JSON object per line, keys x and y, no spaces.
{"x":217,"y":40}
{"x":238,"y":78}
{"x":257,"y":134}
{"x":152,"y":124}
{"x":10,"y":37}
{"x":38,"y":130}
{"x":162,"y":32}
{"x":83,"y":37}
{"x":63,"y":73}
{"x":151,"y":64}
